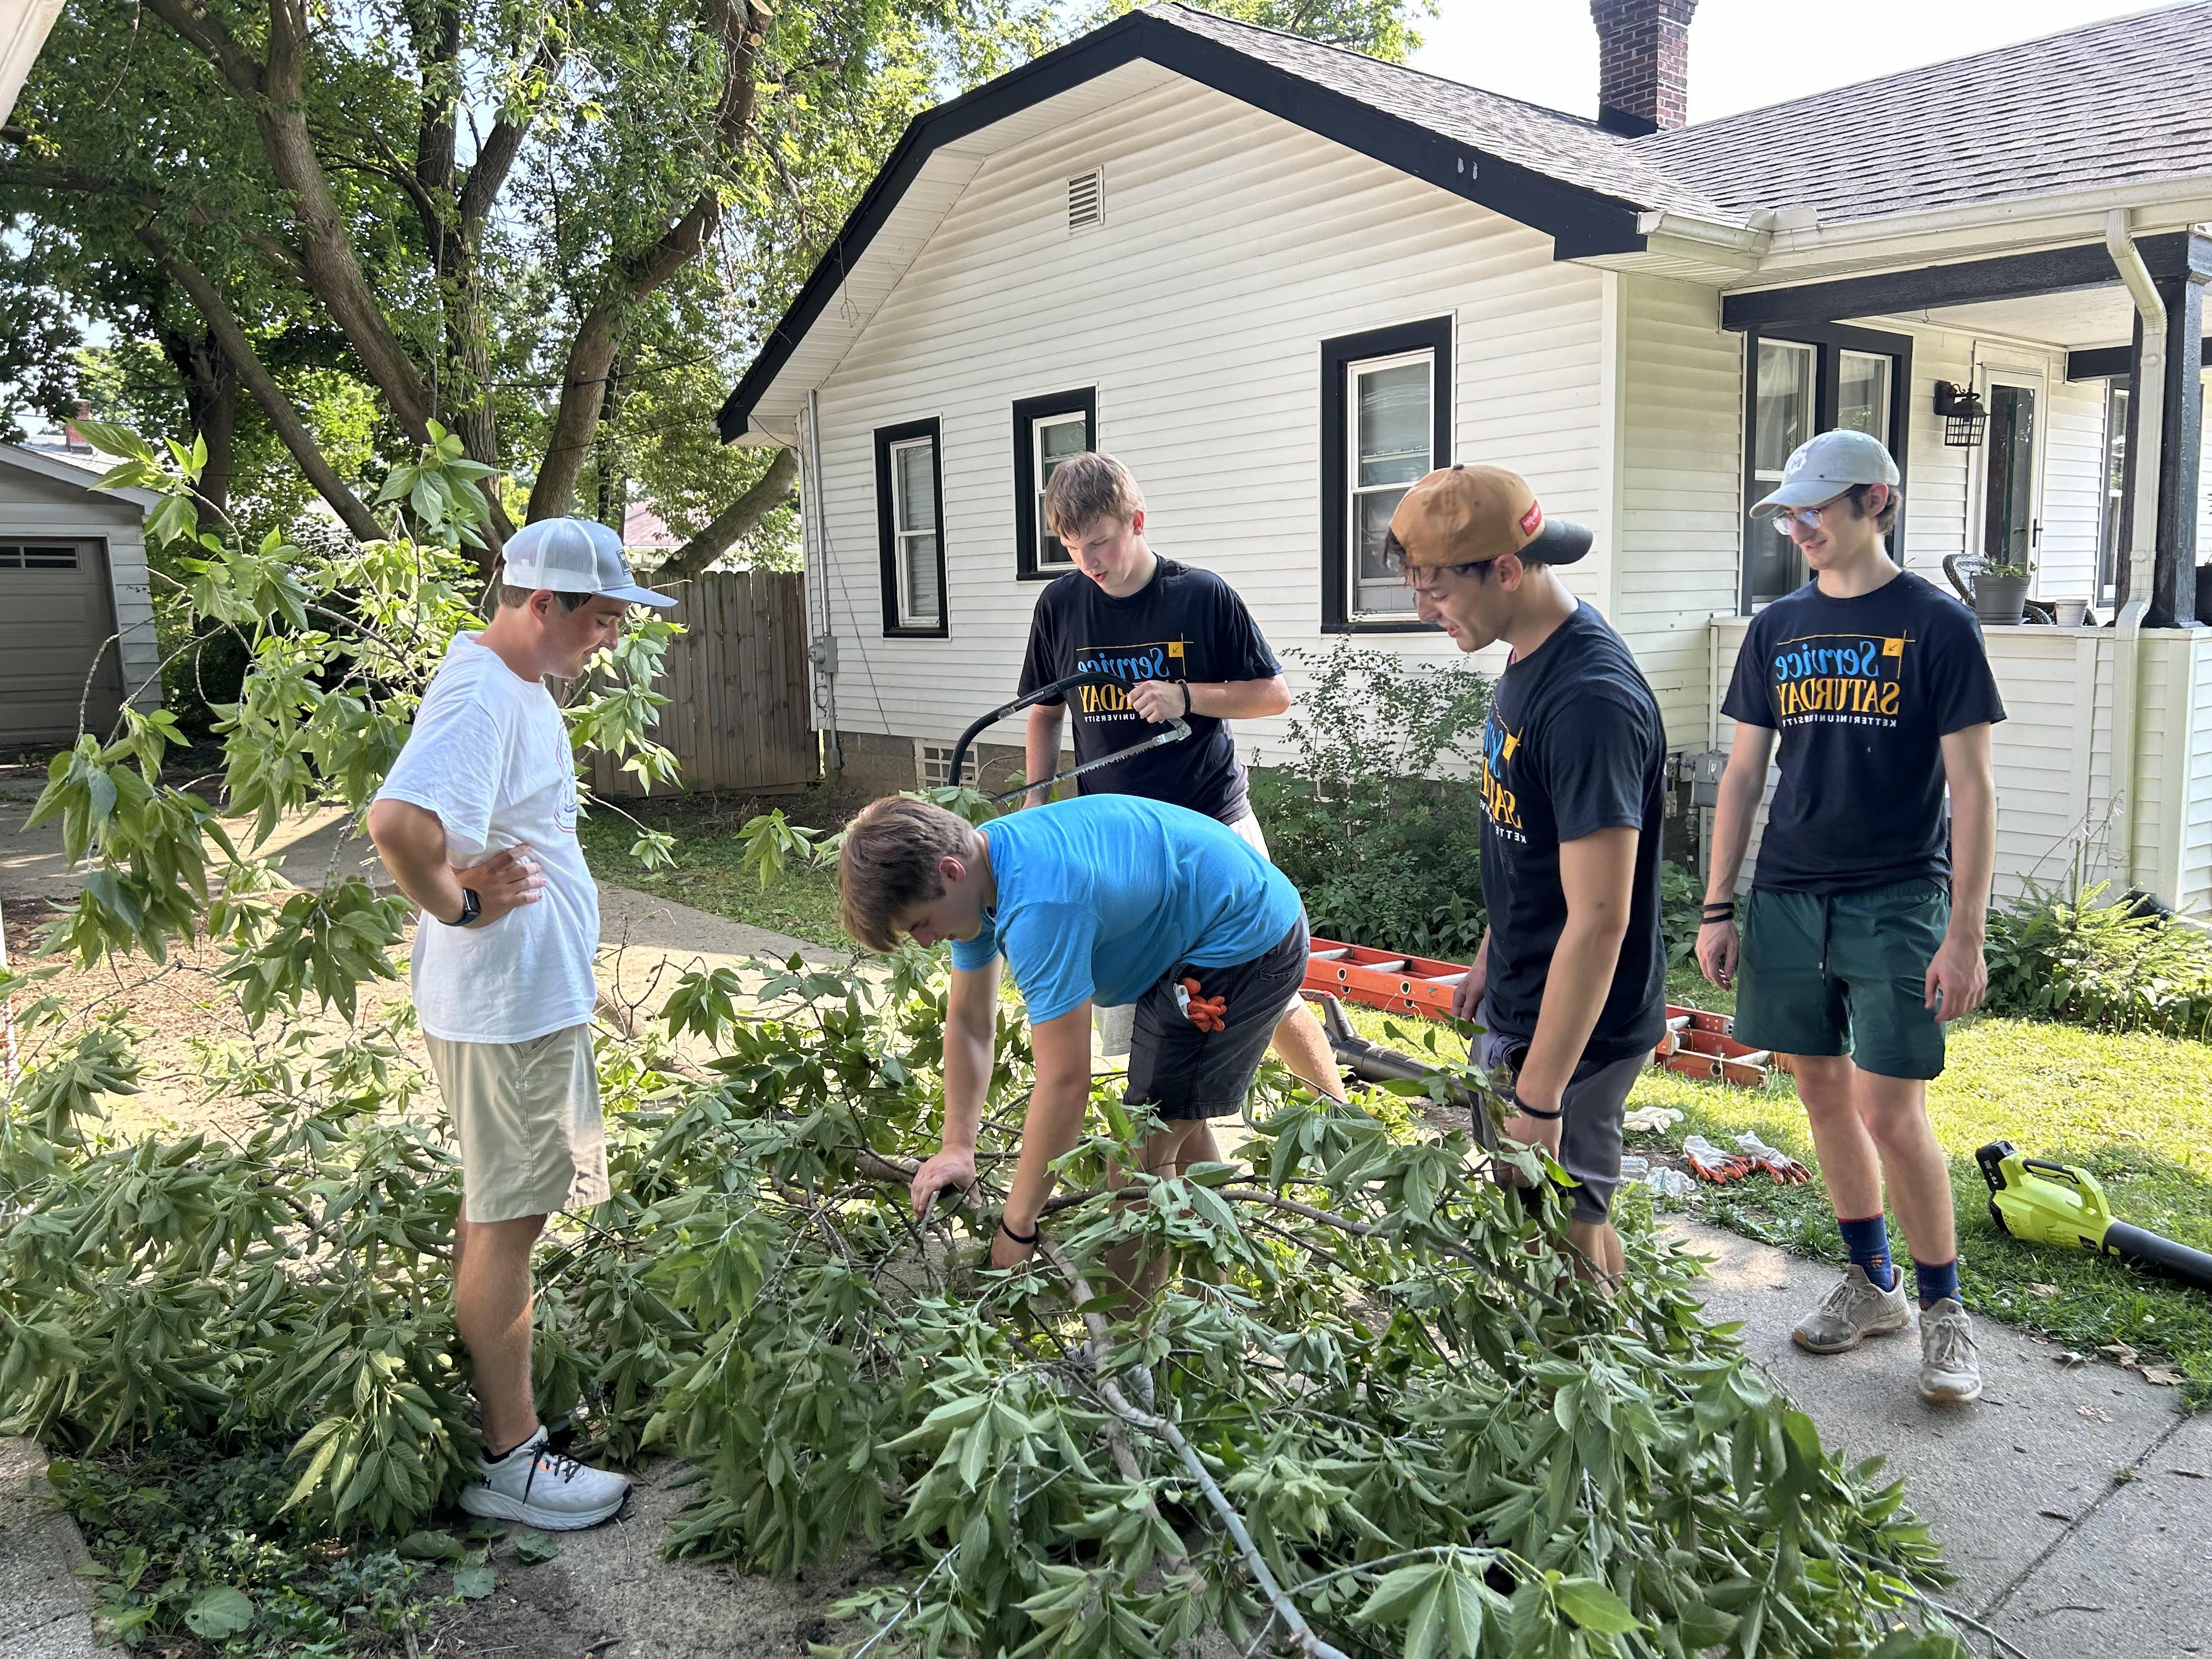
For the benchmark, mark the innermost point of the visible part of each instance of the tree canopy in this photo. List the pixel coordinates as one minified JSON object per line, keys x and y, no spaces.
{"x":559,"y":231}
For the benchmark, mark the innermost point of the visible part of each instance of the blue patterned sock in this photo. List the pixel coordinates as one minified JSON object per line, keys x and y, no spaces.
{"x":1867,"y":1240}
{"x":1936,"y":1282}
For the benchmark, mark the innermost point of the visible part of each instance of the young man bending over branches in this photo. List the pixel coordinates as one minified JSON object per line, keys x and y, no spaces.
{"x":1569,"y":980}
{"x":1103,"y":899}
{"x":477,"y":824}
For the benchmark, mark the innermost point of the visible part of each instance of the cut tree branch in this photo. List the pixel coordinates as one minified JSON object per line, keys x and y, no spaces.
{"x":1302,"y":1634}
{"x":738,"y":519}
{"x":256,"y":380}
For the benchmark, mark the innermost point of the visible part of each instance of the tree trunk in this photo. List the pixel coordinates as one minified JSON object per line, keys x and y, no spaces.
{"x":211,"y":406}
{"x":614,"y":488}
{"x":740,"y":519}
{"x":290,"y":427}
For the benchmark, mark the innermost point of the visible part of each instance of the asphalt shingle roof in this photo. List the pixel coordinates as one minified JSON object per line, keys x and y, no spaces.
{"x":2124,"y":101}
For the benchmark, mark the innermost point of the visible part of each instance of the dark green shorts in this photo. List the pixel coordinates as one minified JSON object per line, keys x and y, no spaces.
{"x":1846,"y":973}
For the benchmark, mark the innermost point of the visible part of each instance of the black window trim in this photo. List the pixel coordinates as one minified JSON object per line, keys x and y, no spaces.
{"x":886,"y":532}
{"x":1028,"y":532}
{"x":1828,"y":339}
{"x":1431,"y":334}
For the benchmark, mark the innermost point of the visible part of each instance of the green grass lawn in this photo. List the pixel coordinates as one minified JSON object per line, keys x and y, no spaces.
{"x":709,"y":872}
{"x":2131,"y":1108}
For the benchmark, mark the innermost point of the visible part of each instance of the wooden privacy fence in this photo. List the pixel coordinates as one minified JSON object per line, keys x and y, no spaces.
{"x":736,"y":684}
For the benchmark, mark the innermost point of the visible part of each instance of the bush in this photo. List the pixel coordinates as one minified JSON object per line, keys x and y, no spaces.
{"x":1385,"y":851}
{"x":2109,"y":965}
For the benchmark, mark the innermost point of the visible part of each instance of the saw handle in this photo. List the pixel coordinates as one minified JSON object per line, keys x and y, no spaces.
{"x":1042,"y":694}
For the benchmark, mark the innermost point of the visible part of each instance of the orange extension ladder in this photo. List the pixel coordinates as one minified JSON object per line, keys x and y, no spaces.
{"x":1697,"y":1044}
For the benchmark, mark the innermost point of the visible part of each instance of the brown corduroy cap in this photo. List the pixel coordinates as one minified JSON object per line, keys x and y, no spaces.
{"x":1473,"y":514}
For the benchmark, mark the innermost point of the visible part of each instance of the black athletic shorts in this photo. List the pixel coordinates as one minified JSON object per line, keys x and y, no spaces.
{"x":1182,"y":1072}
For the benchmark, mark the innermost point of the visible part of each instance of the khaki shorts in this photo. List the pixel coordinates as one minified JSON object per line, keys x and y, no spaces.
{"x":528,"y":1116}
{"x":1117,"y":1026}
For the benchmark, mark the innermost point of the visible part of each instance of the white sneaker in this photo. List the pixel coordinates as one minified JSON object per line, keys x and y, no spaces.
{"x":1854,"y":1309}
{"x":544,"y":1490}
{"x":1950,"y":1364}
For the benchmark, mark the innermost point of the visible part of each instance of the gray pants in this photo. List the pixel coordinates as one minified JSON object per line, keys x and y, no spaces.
{"x":1589,"y":1132}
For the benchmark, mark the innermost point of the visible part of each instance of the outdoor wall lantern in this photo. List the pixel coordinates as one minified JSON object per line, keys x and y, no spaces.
{"x":1964,"y":418}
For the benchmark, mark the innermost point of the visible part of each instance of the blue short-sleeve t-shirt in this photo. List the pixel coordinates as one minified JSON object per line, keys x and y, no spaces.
{"x":1100,"y":897}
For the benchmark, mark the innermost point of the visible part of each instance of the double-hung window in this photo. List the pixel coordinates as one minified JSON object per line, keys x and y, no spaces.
{"x":1386,"y":421}
{"x":910,"y":519}
{"x":1047,"y":431}
{"x":1797,"y":384}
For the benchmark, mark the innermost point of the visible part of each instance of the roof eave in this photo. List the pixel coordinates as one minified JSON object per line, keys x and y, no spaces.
{"x":1582,"y":222}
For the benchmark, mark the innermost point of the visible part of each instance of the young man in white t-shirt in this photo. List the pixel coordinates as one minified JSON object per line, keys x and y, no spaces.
{"x":477,"y":824}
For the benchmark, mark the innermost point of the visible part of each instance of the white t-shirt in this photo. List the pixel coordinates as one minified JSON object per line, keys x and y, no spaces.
{"x":491,"y":756}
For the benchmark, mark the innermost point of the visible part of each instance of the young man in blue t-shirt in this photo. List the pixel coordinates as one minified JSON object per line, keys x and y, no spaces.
{"x":1863,"y":932}
{"x":1103,"y":899}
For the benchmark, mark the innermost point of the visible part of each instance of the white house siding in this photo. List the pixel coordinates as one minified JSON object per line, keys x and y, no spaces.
{"x":1681,"y":492}
{"x":2195,"y":829}
{"x":1234,"y":244}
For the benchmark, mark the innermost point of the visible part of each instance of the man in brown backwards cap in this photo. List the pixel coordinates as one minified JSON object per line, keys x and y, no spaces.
{"x":1569,"y":982}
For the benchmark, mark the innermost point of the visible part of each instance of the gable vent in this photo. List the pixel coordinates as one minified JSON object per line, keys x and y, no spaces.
{"x":1086,"y":199}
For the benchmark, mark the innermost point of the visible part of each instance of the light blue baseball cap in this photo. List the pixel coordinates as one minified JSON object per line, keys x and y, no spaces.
{"x":574,"y":555}
{"x":1823,"y":467}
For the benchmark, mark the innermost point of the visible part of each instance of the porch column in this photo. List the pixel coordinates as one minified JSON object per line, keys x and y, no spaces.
{"x":2180,"y":391}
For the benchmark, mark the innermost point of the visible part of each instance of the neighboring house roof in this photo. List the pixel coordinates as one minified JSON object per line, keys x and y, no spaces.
{"x":2114,"y":104}
{"x":57,"y":466}
{"x":644,"y":532}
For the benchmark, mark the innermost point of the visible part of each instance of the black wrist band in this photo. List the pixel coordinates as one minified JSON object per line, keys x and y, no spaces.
{"x":1186,"y":699}
{"x":1526,"y":1110}
{"x":1019,"y":1238}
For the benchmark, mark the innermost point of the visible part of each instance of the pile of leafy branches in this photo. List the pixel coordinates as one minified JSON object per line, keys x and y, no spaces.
{"x":2101,"y":962}
{"x":1371,"y":813}
{"x":1375,"y":1412}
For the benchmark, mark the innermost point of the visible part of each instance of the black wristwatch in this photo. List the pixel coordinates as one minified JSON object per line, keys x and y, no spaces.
{"x":471,"y":908}
{"x":1186,"y":699}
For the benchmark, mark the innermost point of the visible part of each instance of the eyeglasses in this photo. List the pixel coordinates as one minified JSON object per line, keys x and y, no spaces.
{"x":1810,"y":517}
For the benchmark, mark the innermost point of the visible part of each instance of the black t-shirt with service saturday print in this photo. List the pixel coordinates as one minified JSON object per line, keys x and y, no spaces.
{"x":1184,"y":625}
{"x":1574,"y":745}
{"x":1862,"y":691}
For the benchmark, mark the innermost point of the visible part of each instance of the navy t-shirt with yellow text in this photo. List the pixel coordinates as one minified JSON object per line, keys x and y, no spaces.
{"x":1574,"y":745}
{"x":1862,"y":691}
{"x":1184,"y":625}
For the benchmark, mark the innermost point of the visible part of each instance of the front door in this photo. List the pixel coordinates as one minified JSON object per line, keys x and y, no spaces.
{"x":2011,"y":470}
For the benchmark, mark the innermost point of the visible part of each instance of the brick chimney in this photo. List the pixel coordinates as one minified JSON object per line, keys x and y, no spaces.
{"x":1642,"y":64}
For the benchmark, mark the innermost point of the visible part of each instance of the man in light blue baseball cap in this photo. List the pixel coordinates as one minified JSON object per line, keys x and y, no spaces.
{"x":574,"y":556}
{"x":1823,"y":467}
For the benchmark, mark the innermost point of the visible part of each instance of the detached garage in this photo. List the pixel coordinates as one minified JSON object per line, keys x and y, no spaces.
{"x":73,"y":594}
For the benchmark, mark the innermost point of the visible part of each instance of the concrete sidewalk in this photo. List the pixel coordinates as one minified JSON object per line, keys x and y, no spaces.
{"x":2059,"y":1498}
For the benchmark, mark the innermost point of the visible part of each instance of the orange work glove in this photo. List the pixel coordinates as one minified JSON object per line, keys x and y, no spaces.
{"x":1208,"y":1013}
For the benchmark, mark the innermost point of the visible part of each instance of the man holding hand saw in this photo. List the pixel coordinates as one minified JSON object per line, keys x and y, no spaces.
{"x":1182,"y":646}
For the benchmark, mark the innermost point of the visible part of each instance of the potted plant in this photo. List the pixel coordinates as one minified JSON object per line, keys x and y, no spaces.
{"x":2000,"y":591}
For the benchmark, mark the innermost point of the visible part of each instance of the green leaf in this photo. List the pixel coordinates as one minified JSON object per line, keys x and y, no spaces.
{"x":430,"y":1546}
{"x":1592,"y":1604}
{"x":531,"y":1548}
{"x":474,"y":1584}
{"x":219,"y":1611}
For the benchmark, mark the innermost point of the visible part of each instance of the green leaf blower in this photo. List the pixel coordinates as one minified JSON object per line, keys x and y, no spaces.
{"x":2040,"y":1202}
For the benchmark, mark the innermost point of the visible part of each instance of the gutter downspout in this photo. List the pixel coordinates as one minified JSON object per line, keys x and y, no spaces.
{"x":2148,"y":409}
{"x":821,"y":650}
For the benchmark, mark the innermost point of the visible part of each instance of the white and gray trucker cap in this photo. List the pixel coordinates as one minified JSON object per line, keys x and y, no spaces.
{"x":574,"y":555}
{"x":1823,"y":467}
